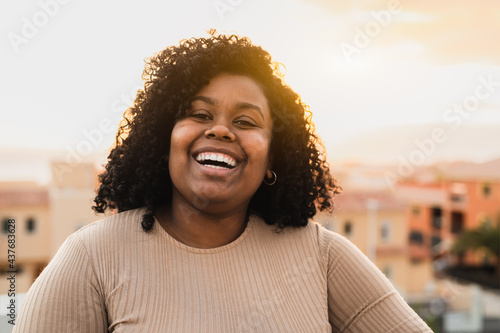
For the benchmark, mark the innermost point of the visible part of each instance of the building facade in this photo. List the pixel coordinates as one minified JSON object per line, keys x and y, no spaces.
{"x":44,"y":215}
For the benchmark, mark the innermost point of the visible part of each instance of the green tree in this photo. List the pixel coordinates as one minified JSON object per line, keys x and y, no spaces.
{"x":485,"y":238}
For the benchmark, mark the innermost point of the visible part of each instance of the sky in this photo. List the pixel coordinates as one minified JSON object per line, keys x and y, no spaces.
{"x":382,"y":78}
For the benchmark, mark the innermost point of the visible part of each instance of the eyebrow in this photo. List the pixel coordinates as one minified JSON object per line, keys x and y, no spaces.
{"x":239,"y":105}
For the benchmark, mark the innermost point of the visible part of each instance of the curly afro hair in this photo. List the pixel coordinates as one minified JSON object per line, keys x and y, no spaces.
{"x":133,"y":176}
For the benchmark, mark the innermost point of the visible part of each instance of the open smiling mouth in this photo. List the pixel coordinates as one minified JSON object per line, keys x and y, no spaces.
{"x":216,"y":160}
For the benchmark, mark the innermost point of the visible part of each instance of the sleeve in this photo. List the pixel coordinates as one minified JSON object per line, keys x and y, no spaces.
{"x":360,"y":297}
{"x":66,"y":296}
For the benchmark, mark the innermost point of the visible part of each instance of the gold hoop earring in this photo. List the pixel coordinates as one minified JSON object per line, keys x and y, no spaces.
{"x":271,"y":181}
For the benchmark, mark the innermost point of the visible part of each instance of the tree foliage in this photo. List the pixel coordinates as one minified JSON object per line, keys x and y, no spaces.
{"x":485,"y":237}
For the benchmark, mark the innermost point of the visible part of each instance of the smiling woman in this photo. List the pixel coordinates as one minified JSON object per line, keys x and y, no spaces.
{"x":220,"y":152}
{"x":216,"y":173}
{"x":189,"y":82}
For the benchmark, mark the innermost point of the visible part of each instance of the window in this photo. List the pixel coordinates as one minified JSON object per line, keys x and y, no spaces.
{"x":348,"y":228}
{"x":385,"y":231}
{"x":5,"y":225}
{"x":416,"y":237}
{"x":457,"y":197}
{"x":436,"y":217}
{"x":5,"y":270}
{"x":435,"y":240}
{"x":486,"y":190}
{"x":30,"y":225}
{"x":457,"y":222}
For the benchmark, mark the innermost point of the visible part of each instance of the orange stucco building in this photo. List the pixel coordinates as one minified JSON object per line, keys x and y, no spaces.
{"x":460,"y":197}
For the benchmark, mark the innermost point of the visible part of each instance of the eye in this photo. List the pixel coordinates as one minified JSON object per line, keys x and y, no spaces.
{"x":199,"y":115}
{"x":244,"y":122}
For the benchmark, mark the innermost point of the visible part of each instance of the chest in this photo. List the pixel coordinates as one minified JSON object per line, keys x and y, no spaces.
{"x":186,"y":292}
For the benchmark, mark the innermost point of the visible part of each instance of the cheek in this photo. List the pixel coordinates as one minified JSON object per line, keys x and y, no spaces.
{"x":179,"y":145}
{"x":180,"y":137}
{"x":259,"y":147}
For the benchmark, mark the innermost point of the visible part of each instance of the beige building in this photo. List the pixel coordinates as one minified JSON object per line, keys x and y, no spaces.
{"x":44,"y":217}
{"x":377,"y":223}
{"x":28,"y":205}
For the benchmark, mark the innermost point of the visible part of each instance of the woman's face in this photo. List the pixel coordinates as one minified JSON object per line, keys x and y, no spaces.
{"x":219,"y":152}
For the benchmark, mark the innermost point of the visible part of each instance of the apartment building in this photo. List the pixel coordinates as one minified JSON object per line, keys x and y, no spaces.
{"x":454,"y":198}
{"x":44,"y":215}
{"x":377,"y":223}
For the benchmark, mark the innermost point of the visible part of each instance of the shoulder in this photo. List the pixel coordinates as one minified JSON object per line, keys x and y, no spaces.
{"x":313,"y":235}
{"x":127,"y":218}
{"x":121,"y":228}
{"x":334,"y":249}
{"x":330,"y":240}
{"x":312,"y":230}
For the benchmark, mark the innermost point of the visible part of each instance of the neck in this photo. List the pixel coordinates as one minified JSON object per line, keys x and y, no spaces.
{"x":201,"y":229}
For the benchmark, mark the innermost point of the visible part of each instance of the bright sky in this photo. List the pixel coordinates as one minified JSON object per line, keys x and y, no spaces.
{"x":70,"y":67}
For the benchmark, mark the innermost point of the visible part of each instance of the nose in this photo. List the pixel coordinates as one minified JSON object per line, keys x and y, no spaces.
{"x":220,"y":131}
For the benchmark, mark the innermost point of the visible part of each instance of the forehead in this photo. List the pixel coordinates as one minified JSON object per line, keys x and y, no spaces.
{"x":234,"y":88}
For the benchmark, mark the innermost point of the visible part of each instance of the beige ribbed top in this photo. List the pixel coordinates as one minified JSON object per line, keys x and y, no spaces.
{"x":111,"y":276}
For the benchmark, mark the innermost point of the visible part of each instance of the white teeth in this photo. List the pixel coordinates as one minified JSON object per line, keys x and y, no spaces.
{"x":216,"y":157}
{"x":216,"y":167}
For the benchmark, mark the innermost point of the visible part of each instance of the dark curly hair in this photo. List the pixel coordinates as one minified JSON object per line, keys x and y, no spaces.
{"x":133,"y":176}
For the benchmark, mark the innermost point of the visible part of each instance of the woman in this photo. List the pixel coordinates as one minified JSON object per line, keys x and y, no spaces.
{"x":216,"y":172}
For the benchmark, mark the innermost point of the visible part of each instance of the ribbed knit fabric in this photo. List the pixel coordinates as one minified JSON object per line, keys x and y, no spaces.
{"x":111,"y":276}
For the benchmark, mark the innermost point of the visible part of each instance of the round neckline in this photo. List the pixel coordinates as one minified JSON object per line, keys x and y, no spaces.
{"x":188,"y":248}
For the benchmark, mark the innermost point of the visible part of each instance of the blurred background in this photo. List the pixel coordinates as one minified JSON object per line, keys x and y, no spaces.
{"x":405,"y":96}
